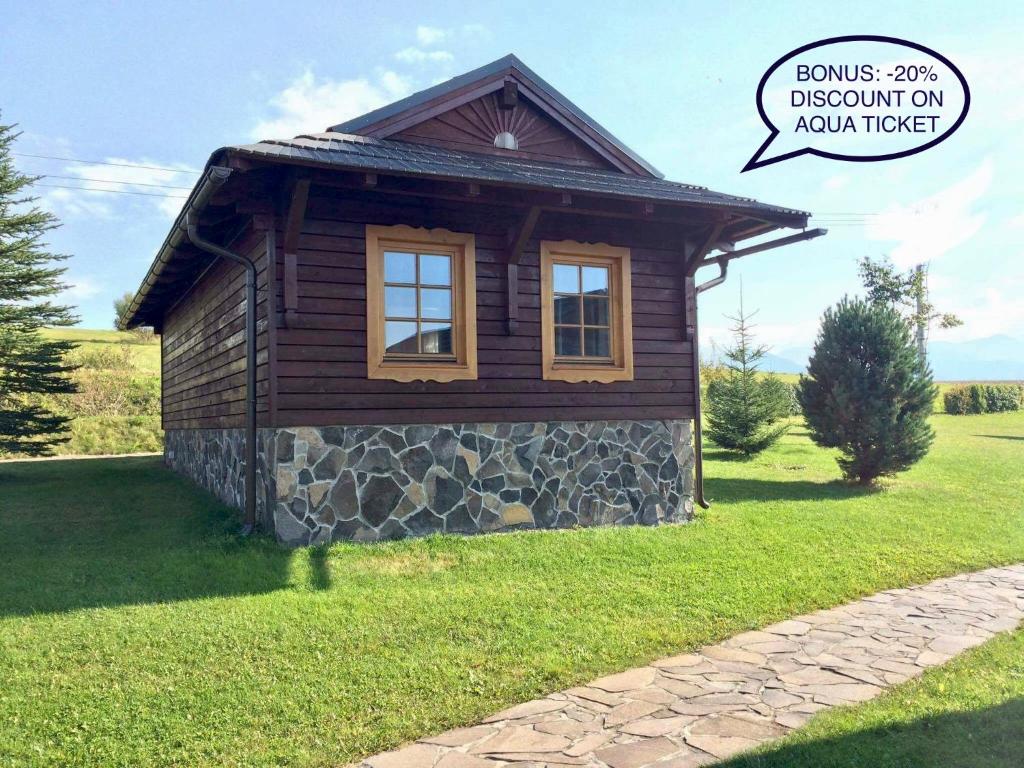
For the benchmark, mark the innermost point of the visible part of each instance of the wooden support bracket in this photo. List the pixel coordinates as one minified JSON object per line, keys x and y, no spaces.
{"x":518,"y":236}
{"x":292,"y":228}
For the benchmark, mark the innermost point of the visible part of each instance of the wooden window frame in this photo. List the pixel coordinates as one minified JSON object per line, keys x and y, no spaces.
{"x":424,"y":367}
{"x":617,"y":259}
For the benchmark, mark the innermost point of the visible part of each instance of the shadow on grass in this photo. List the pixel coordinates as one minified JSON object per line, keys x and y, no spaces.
{"x":1002,"y":437}
{"x":105,"y":532}
{"x":743,"y":489}
{"x":986,"y":738}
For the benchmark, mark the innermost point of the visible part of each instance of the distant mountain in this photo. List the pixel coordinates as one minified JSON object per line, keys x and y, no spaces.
{"x":771,"y":361}
{"x":993,"y":358}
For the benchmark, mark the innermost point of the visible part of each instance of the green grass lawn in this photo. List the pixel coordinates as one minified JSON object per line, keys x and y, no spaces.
{"x":966,"y":714}
{"x":136,"y":630}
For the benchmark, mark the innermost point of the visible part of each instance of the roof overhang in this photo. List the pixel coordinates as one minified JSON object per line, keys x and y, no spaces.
{"x":472,"y":179}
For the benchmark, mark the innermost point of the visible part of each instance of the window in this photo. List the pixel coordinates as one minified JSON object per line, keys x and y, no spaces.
{"x":420,"y":304}
{"x":585,"y":313}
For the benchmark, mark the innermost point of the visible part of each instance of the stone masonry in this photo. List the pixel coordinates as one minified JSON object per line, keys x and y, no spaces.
{"x":318,"y":484}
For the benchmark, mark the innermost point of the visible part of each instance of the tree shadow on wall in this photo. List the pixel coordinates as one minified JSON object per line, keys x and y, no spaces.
{"x":986,"y":738}
{"x":104,"y":532}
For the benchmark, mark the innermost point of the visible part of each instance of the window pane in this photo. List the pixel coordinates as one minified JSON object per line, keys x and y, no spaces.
{"x":595,"y":310}
{"x":435,"y":270}
{"x":567,"y":278}
{"x":595,"y":280}
{"x":400,"y":337}
{"x":567,"y":341}
{"x":567,"y":310}
{"x":399,"y":267}
{"x":436,"y":338}
{"x":436,"y":303}
{"x":596,"y":342}
{"x":399,"y":302}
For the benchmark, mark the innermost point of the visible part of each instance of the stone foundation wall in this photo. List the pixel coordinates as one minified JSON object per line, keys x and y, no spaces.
{"x":371,"y":483}
{"x":214,"y":459}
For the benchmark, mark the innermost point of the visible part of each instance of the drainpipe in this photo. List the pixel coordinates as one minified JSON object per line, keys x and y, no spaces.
{"x":214,"y":179}
{"x":722,"y":260}
{"x":698,"y":438}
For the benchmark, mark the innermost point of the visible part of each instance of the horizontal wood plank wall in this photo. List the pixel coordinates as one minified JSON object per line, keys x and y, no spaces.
{"x":321,"y":358}
{"x":203,"y":347}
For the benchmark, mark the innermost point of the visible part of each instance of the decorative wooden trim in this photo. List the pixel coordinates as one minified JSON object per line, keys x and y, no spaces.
{"x":517,"y":239}
{"x":621,"y":308}
{"x":462,"y":247}
{"x":292,"y":229}
{"x":271,"y":308}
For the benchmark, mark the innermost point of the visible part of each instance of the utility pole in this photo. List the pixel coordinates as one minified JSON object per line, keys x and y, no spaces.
{"x":922,"y":321}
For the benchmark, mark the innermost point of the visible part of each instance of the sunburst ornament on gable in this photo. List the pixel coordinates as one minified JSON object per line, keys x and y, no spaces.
{"x":506,"y":140}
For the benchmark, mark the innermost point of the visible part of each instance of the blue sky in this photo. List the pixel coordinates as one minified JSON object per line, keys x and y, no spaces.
{"x":161,"y":84}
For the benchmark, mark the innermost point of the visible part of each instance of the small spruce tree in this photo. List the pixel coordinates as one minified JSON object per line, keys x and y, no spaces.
{"x":867,"y":391}
{"x":30,"y":365}
{"x":742,"y":407}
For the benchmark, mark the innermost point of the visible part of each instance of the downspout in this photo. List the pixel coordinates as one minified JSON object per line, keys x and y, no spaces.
{"x":722,"y":260}
{"x":214,"y":179}
{"x":698,"y":438}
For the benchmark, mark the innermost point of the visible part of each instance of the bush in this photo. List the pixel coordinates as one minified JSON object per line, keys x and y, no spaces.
{"x":1003,"y":397}
{"x":783,"y":397}
{"x":867,"y":392}
{"x":957,"y":399}
{"x":984,"y":398}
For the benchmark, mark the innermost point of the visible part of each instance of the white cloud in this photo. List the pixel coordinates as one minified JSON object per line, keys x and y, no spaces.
{"x":430,"y":35}
{"x":101,"y":190}
{"x":309,"y":105}
{"x":925,"y":230}
{"x":419,"y":56}
{"x":79,"y":288}
{"x":427,"y":36}
{"x":1016,"y":222}
{"x":835,"y":183}
{"x":987,"y":311}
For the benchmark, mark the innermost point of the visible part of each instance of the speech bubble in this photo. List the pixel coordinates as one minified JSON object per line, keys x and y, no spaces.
{"x":859,"y":98}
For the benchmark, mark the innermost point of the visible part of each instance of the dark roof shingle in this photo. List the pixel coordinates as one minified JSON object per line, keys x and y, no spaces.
{"x":363,"y":153}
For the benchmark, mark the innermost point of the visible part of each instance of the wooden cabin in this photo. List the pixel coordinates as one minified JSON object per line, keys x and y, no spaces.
{"x":475,"y":309}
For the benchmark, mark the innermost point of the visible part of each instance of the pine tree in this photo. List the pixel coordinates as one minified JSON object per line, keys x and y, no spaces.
{"x":867,"y":391}
{"x":30,"y":365}
{"x":742,"y":407}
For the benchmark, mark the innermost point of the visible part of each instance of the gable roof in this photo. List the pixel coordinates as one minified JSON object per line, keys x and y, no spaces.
{"x":363,"y":153}
{"x":392,"y":118}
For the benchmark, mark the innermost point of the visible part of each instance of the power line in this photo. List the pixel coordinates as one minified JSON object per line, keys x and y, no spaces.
{"x":105,"y":162}
{"x":112,"y":181}
{"x":112,"y":191}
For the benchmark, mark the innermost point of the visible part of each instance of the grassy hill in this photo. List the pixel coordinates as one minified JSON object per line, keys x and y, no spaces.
{"x":144,"y":350}
{"x":117,"y":407}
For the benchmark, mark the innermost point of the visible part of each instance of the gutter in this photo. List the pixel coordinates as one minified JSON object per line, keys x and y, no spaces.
{"x":722,"y":260}
{"x":214,"y":179}
{"x":186,"y":228}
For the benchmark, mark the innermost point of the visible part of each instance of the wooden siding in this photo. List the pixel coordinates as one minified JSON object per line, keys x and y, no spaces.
{"x":203,"y":347}
{"x":473,"y":126}
{"x":321,"y":358}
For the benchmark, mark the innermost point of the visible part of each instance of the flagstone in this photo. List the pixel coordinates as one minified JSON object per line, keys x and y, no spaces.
{"x":626,"y":681}
{"x":637,"y":753}
{"x":693,"y":708}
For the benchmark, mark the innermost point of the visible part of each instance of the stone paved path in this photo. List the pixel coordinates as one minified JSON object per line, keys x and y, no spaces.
{"x":693,"y":709}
